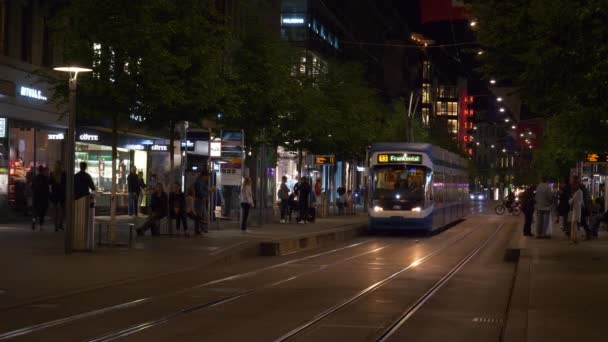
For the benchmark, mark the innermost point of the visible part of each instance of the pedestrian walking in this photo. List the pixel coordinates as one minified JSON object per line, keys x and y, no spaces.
{"x":246,"y":202}
{"x":283,"y":198}
{"x":341,"y":201}
{"x":576,"y":206}
{"x":83,"y":183}
{"x":563,"y":207}
{"x":158,"y":207}
{"x":586,"y":210}
{"x":133,"y":187}
{"x":40,"y":196}
{"x":140,"y":191}
{"x":201,"y":199}
{"x":58,"y":186}
{"x":544,"y":204}
{"x":177,"y":207}
{"x":304,"y":190}
{"x":528,"y":202}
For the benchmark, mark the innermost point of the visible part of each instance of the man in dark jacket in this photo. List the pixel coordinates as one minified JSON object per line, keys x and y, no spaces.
{"x":40,"y":196}
{"x":158,"y":206}
{"x":303,"y":197}
{"x":83,"y":182}
{"x":177,"y":207}
{"x":528,"y":202}
{"x":133,"y":187}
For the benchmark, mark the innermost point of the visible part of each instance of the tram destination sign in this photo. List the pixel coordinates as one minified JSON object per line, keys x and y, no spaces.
{"x":394,"y":158}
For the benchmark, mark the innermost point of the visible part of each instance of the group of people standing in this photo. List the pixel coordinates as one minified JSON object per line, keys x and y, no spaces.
{"x":573,"y":205}
{"x":178,"y":206}
{"x":302,"y":200}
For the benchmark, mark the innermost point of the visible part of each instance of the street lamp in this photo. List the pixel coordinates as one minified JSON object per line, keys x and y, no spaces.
{"x":70,"y":153}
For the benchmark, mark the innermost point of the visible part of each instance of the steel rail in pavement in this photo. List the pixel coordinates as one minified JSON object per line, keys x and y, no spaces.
{"x":150,"y":324}
{"x":370,"y":289}
{"x":432,"y":291}
{"x":61,"y":321}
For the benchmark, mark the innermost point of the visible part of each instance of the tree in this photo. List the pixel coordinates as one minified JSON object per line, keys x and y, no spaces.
{"x":555,"y":52}
{"x":156,"y":59}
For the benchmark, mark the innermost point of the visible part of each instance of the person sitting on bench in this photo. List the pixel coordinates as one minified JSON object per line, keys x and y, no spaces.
{"x":158,"y":206}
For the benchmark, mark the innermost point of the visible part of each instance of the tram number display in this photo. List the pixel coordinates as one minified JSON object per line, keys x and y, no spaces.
{"x":392,"y":158}
{"x":325,"y":159}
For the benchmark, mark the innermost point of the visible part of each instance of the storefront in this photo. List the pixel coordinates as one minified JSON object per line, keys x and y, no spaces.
{"x":30,"y":128}
{"x":149,"y":155}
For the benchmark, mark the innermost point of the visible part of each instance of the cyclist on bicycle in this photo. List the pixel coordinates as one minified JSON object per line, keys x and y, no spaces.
{"x":510,"y":200}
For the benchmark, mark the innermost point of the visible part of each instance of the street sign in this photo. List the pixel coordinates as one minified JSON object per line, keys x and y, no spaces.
{"x":329,"y":159}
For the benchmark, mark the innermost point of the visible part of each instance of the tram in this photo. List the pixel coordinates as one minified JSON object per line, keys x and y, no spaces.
{"x":415,"y":186}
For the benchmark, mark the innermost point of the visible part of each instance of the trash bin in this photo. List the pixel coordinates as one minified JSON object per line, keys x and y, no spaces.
{"x":84,"y":218}
{"x":90,"y":226}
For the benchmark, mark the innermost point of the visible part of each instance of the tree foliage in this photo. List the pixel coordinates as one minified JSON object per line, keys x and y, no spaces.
{"x":556,"y":53}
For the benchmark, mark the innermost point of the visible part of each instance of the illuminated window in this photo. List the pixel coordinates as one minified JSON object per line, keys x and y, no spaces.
{"x":441,"y":108}
{"x":426,"y":70}
{"x":425,"y":116}
{"x":426,"y":90}
{"x":452,"y":108}
{"x":453,"y":125}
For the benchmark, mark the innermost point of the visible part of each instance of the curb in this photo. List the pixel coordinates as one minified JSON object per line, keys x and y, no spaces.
{"x":294,"y":244}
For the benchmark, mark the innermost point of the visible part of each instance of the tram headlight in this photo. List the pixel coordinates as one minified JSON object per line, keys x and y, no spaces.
{"x":378,"y":208}
{"x":472,"y":197}
{"x":416,"y":209}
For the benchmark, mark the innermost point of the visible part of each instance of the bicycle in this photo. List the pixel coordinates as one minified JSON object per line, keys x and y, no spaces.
{"x":513,"y":209}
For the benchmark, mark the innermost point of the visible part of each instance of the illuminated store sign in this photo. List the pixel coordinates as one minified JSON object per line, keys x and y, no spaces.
{"x":216,"y":149}
{"x":88,"y":137}
{"x":161,"y":148}
{"x":32,"y":93}
{"x":58,"y":136}
{"x":293,"y":21}
{"x":399,"y":158}
{"x":137,"y":147}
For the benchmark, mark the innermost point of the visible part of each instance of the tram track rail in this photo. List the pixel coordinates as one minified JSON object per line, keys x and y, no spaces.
{"x":140,"y":301}
{"x":118,"y":334}
{"x":412,"y":309}
{"x":141,"y":326}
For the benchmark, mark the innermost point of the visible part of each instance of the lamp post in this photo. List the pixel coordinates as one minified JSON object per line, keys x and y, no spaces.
{"x":70,"y":152}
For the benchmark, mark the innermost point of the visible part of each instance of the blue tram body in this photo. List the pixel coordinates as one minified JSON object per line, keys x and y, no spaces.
{"x":414,"y":186}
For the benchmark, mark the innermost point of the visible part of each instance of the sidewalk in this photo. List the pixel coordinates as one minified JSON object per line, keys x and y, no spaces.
{"x":34,"y":265}
{"x":560,"y":291}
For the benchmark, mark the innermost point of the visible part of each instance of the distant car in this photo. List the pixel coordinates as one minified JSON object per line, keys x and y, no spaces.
{"x":477,"y":196}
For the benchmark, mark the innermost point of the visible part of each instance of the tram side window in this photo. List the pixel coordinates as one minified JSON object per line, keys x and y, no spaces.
{"x":438,"y":187}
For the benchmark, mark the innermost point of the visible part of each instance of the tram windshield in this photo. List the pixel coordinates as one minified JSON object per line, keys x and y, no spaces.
{"x":403,"y":183}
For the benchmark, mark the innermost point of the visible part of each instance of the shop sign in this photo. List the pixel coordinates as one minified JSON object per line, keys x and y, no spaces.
{"x":2,"y":127}
{"x":88,"y":137}
{"x":410,"y":158}
{"x":293,"y":21}
{"x":58,"y":136}
{"x":329,"y":159}
{"x":216,"y":149}
{"x":188,"y":145}
{"x":137,"y":147}
{"x":159,"y":148}
{"x":32,"y":93}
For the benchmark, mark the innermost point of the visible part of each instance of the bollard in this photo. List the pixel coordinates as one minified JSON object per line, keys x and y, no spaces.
{"x":131,"y":225}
